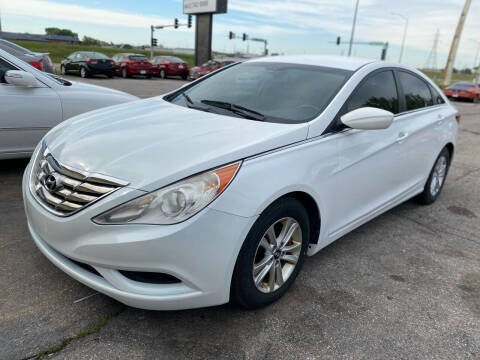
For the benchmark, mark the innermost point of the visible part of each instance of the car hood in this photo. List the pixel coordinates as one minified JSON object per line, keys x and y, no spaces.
{"x":89,"y":88}
{"x":152,"y":143}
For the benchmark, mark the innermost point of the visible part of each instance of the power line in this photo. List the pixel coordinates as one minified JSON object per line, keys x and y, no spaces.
{"x":431,"y":63}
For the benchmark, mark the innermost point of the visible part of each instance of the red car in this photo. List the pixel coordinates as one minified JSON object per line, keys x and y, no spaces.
{"x":127,"y":65}
{"x":211,"y":65}
{"x":463,"y":90}
{"x":169,"y":66}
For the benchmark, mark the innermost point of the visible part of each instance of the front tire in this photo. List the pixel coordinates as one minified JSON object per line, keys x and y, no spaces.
{"x":436,"y":179}
{"x":162,"y":74}
{"x":272,"y":254}
{"x":124,"y":73}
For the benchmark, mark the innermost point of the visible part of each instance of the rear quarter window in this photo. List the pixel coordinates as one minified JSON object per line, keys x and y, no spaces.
{"x":416,"y":91}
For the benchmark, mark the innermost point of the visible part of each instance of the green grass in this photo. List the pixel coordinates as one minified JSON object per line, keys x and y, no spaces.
{"x":59,"y":51}
{"x":437,"y":76}
{"x":91,"y":329}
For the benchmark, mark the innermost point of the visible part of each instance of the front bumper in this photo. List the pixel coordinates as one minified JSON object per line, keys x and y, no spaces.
{"x":200,"y":252}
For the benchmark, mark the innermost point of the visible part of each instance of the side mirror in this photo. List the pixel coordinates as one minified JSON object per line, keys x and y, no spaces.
{"x":368,"y":118}
{"x":20,"y":78}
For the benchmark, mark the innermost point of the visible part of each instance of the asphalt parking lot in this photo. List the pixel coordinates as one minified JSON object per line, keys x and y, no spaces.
{"x":404,"y":286}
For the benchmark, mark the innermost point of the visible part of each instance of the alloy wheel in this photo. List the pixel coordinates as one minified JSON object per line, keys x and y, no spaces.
{"x":438,"y":175}
{"x":83,"y":73}
{"x":162,"y":74}
{"x":277,"y":255}
{"x":124,"y":73}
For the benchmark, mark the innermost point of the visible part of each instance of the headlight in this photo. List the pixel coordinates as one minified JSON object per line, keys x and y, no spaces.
{"x":174,"y":203}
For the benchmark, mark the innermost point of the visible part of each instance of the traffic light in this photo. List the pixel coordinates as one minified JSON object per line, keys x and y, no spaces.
{"x":244,"y":37}
{"x":338,"y":40}
{"x":154,"y":42}
{"x":176,"y":24}
{"x":189,"y":21}
{"x":231,"y":35}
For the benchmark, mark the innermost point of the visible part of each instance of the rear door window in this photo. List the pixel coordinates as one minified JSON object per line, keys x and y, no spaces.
{"x":437,"y":98}
{"x":378,"y":91}
{"x":416,"y":91}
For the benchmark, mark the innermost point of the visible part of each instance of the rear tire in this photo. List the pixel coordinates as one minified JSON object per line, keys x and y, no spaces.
{"x":83,"y":73}
{"x":436,"y":179}
{"x":162,"y":74}
{"x":256,"y":280}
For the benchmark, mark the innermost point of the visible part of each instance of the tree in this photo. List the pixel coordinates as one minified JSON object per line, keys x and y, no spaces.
{"x":57,"y":31}
{"x":87,"y":40}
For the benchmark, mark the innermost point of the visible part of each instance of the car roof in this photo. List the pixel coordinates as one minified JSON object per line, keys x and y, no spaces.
{"x":337,"y":62}
{"x":465,"y":83}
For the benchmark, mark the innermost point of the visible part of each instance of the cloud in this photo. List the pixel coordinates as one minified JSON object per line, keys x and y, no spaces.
{"x":297,"y":18}
{"x":78,"y":13}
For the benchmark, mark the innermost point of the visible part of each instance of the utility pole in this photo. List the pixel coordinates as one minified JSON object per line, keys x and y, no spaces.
{"x":454,"y":47}
{"x":404,"y":35}
{"x":476,"y":55}
{"x":152,"y":28}
{"x":353,"y":28}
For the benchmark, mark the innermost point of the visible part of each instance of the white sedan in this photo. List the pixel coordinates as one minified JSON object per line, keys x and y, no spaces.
{"x":219,"y":190}
{"x":33,"y":102}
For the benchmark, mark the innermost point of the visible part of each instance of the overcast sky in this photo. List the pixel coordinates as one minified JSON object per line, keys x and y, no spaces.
{"x":291,"y":26}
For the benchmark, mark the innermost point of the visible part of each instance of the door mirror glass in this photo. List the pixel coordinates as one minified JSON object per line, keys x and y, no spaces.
{"x":368,"y":118}
{"x":20,"y":78}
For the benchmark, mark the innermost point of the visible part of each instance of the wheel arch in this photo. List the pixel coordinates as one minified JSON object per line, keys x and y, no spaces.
{"x":451,"y":149}
{"x":312,"y":208}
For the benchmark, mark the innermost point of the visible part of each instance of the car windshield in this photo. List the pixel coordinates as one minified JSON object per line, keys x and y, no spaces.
{"x":279,"y":92}
{"x":137,"y":57}
{"x":462,"y":86}
{"x":174,"y":59}
{"x":95,"y":55}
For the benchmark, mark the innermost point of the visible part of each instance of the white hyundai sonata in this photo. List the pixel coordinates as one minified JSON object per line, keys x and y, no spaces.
{"x":220,"y":189}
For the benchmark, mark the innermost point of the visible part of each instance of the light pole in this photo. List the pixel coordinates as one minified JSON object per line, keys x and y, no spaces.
{"x":404,"y":35}
{"x":353,"y":28}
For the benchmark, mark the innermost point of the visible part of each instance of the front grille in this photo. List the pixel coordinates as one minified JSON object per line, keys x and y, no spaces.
{"x":63,"y":190}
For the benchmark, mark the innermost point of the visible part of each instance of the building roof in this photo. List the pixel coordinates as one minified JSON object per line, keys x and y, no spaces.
{"x":39,"y":37}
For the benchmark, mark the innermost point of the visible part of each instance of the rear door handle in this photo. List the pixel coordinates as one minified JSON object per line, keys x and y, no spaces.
{"x":440,"y":118}
{"x":402,"y":136}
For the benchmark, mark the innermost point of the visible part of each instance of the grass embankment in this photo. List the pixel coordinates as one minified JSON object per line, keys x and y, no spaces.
{"x":59,"y":51}
{"x":437,"y":76}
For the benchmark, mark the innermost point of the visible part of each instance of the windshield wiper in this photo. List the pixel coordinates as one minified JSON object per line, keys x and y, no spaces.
{"x":192,"y":105}
{"x":237,"y":109}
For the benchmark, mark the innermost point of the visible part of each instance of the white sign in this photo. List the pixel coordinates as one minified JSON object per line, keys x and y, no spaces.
{"x":199,"y":6}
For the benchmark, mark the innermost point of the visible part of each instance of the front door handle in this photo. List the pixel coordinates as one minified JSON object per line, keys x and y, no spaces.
{"x":402,"y":136}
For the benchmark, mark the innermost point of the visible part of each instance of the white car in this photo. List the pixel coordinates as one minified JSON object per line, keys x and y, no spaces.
{"x":219,"y":190}
{"x":33,"y":102}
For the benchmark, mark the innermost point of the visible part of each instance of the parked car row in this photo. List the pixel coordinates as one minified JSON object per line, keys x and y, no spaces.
{"x":88,"y":63}
{"x":85,"y":63}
